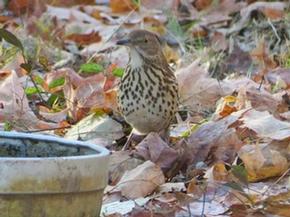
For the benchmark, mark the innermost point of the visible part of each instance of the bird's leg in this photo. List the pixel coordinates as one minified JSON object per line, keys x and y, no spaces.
{"x":133,"y":136}
{"x":128,"y":142}
{"x":164,"y":134}
{"x":262,"y":81}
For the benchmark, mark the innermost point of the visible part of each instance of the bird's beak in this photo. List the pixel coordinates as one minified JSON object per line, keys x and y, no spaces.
{"x":125,"y":41}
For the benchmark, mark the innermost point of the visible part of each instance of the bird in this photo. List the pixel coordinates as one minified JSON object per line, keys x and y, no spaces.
{"x":147,"y":93}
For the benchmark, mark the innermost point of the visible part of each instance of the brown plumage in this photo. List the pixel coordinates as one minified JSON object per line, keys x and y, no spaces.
{"x":148,"y":91}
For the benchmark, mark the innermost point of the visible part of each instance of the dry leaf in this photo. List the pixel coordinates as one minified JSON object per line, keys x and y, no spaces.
{"x":116,"y":209}
{"x":144,"y":179}
{"x":279,"y":74}
{"x":153,"y":148}
{"x":226,"y":106}
{"x":196,"y":88}
{"x":219,"y":13}
{"x":285,"y":116}
{"x":27,"y":6}
{"x":120,"y":162}
{"x":172,"y":187}
{"x":265,"y":125}
{"x":68,"y":3}
{"x":278,"y":204}
{"x":261,"y":162}
{"x":160,"y":4}
{"x":103,"y":128}
{"x":4,"y":19}
{"x":84,"y":94}
{"x":202,"y":4}
{"x":239,"y":209}
{"x":261,"y":54}
{"x":14,"y":103}
{"x":53,"y":116}
{"x":70,"y":14}
{"x":197,"y":208}
{"x":218,"y":41}
{"x":119,"y":6}
{"x":237,"y":61}
{"x":213,"y":141}
{"x":219,"y":172}
{"x":85,"y":39}
{"x":276,"y":9}
{"x":194,"y":188}
{"x":261,"y":100}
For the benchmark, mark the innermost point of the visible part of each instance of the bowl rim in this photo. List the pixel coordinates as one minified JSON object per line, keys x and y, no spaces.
{"x":102,"y":152}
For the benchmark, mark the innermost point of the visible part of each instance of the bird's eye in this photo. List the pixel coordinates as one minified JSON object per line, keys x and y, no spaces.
{"x":145,"y":40}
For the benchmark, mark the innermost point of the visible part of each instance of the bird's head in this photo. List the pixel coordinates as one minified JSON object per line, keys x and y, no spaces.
{"x":145,"y":43}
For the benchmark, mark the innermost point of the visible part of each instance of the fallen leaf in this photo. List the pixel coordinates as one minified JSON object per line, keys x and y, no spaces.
{"x":118,"y":6}
{"x":237,"y":61}
{"x":285,"y":115}
{"x":266,"y":125}
{"x":279,"y":74}
{"x":66,"y":3}
{"x":240,"y":210}
{"x":15,"y":105}
{"x":70,"y":14}
{"x":166,"y":198}
{"x":218,"y":41}
{"x":140,"y":212}
{"x":153,"y":148}
{"x":120,"y":162}
{"x":84,"y":39}
{"x":4,"y":19}
{"x":278,"y":204}
{"x":118,"y":208}
{"x":144,"y":179}
{"x":226,"y":106}
{"x":53,"y":116}
{"x":261,"y":54}
{"x":159,"y":4}
{"x":172,"y":187}
{"x":276,"y":7}
{"x":202,"y":4}
{"x":84,"y":94}
{"x":273,"y":13}
{"x":214,"y":17}
{"x":219,"y":172}
{"x":27,"y":6}
{"x":198,"y":208}
{"x":196,"y":88}
{"x":260,"y":100}
{"x":195,"y":188}
{"x":94,"y":126}
{"x":213,"y":142}
{"x":261,"y":162}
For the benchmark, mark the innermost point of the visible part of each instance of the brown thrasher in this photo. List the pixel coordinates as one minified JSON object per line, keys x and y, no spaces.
{"x":148,"y":91}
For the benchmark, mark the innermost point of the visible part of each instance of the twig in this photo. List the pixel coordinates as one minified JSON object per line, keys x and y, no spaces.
{"x":189,"y":210}
{"x":278,"y":180}
{"x":48,"y":129}
{"x":274,"y":30}
{"x":112,"y":34}
{"x":203,"y":202}
{"x":261,"y":83}
{"x":37,"y":89}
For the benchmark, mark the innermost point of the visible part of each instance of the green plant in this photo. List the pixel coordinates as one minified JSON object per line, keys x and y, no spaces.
{"x":137,"y":2}
{"x":27,"y":65}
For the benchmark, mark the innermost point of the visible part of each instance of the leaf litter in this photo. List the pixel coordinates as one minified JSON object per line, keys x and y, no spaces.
{"x":228,"y":153}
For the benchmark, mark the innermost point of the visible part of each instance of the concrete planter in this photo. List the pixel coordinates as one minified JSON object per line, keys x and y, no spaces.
{"x":44,"y":176}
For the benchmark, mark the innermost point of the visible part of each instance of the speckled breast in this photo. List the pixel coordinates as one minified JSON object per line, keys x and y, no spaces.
{"x":147,"y":98}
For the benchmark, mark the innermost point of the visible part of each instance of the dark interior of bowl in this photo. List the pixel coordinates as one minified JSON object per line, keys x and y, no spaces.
{"x":17,"y":147}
